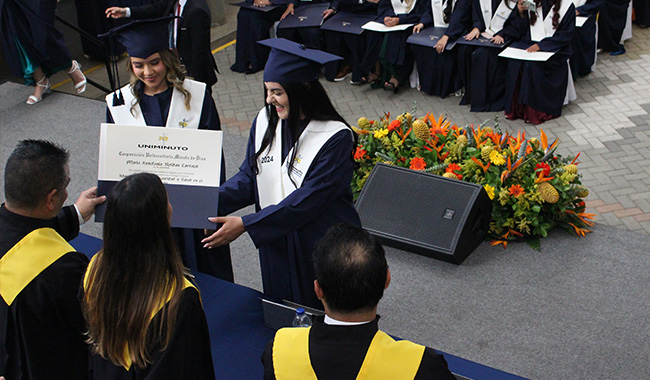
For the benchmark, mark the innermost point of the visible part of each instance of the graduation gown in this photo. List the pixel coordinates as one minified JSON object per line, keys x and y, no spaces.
{"x":611,"y":23}
{"x":285,"y":233}
{"x":396,"y":57}
{"x":253,"y":26}
{"x":439,"y":72}
{"x":337,"y":353}
{"x":42,"y":332}
{"x":483,"y":72}
{"x":187,"y":356}
{"x":29,"y":38}
{"x":583,"y":44}
{"x":535,"y":91}
{"x":215,"y":262}
{"x":309,"y":36}
{"x":642,"y":13}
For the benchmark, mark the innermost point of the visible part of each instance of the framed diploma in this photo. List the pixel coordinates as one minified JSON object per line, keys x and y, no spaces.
{"x":188,"y":161}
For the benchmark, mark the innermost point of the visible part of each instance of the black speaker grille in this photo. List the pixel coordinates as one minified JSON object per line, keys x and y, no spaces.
{"x":417,"y":208}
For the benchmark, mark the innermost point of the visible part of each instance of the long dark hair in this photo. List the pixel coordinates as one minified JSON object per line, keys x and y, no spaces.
{"x":555,"y":4}
{"x":449,"y":9}
{"x":136,"y":271}
{"x":307,"y":99}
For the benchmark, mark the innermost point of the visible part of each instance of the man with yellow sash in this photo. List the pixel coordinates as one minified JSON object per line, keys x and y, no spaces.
{"x":351,"y":275}
{"x":41,"y":325}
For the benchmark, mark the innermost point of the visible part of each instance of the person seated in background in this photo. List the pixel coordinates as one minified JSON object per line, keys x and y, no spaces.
{"x":41,"y":324}
{"x":145,"y":318}
{"x":310,"y":36}
{"x":583,"y":58}
{"x":351,"y":275}
{"x":190,"y":34}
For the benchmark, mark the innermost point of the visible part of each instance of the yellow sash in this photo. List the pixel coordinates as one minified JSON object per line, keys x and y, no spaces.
{"x":126,"y":354}
{"x":385,"y":359}
{"x":28,"y":258}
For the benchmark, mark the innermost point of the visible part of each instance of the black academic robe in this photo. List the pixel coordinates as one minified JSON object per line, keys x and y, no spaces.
{"x":337,"y":352}
{"x":187,"y":356}
{"x":440,"y":72}
{"x":642,"y":13}
{"x":286,"y":233}
{"x":347,"y":45}
{"x":42,"y":332}
{"x":193,"y":39}
{"x":215,"y":262}
{"x":483,"y":71}
{"x":541,"y":86}
{"x":611,"y":23}
{"x":27,"y":29}
{"x":310,"y":36}
{"x":584,"y":40}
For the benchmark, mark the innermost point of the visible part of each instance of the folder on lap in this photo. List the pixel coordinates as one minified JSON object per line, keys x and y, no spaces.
{"x":429,"y":37}
{"x":305,"y":16}
{"x":266,"y":8}
{"x":480,"y":41}
{"x":379,"y":27}
{"x":344,"y":22}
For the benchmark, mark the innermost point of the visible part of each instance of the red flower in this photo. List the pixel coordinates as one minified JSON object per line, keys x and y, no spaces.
{"x":394,"y":125}
{"x":401,"y":160}
{"x":516,"y":190}
{"x":360,"y":154}
{"x":546,"y":169}
{"x":417,"y":163}
{"x":455,"y":169}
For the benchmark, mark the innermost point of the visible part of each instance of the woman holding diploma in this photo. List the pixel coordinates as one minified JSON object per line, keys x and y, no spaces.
{"x":144,"y":317}
{"x":535,"y":91}
{"x":297,"y":172}
{"x":160,"y":94}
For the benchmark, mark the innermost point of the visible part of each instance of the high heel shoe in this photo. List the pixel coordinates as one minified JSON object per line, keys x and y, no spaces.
{"x":45,"y":83}
{"x":81,"y":86}
{"x":392,"y":85}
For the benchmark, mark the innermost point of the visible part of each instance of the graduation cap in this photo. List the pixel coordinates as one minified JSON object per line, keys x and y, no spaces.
{"x":290,"y":62}
{"x":141,"y":38}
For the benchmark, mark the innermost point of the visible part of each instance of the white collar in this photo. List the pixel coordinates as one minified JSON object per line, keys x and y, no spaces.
{"x":334,"y":322}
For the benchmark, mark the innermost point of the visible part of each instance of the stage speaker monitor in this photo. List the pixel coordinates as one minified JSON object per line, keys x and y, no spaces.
{"x":424,"y":213}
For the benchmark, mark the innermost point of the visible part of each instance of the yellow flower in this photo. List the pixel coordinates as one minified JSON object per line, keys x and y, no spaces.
{"x":381,"y":133}
{"x":489,"y":190}
{"x":497,"y":158}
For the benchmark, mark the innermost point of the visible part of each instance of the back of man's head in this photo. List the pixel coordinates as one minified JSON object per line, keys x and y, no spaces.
{"x":33,"y":170}
{"x":351,"y":269}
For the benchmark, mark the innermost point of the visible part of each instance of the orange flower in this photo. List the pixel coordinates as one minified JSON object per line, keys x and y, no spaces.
{"x":516,"y":190}
{"x":417,"y":163}
{"x":456,"y":169}
{"x":394,"y":125}
{"x":360,"y":154}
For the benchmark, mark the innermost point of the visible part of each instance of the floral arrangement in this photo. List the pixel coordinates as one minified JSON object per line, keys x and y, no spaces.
{"x":532,"y":188}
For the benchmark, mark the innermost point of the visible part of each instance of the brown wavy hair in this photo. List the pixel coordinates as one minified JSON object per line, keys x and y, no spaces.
{"x":176,"y":74}
{"x":138,"y":269}
{"x":556,"y":12}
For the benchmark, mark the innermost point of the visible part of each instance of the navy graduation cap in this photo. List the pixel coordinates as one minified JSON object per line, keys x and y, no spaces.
{"x":290,"y":62}
{"x":143,"y":38}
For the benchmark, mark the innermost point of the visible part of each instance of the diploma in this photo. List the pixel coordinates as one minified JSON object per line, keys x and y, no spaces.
{"x":522,"y":54}
{"x":305,"y":16}
{"x":350,"y":23}
{"x":379,"y":27}
{"x":263,"y":8}
{"x":580,"y":21}
{"x":188,"y":161}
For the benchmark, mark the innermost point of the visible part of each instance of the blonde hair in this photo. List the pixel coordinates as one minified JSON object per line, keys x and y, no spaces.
{"x":176,"y":74}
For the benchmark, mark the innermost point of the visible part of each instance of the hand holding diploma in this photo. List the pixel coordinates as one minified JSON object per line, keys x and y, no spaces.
{"x":87,"y":201}
{"x":231,"y":228}
{"x":474,"y":33}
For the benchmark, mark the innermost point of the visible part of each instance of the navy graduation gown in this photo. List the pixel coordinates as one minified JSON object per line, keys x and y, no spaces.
{"x":30,"y":23}
{"x":482,"y":70}
{"x":187,"y":355}
{"x":541,"y":86}
{"x":642,"y":13}
{"x":390,"y":47}
{"x":309,"y":36}
{"x":611,"y":23}
{"x":584,"y":40}
{"x":286,"y":233}
{"x":215,"y":262}
{"x":253,"y":26}
{"x":439,"y":72}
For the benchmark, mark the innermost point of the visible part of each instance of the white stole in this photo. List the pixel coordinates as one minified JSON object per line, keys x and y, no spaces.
{"x":579,"y":3}
{"x":402,"y":8}
{"x":178,"y":116}
{"x":437,"y":11}
{"x":545,"y":29}
{"x":270,"y":169}
{"x":494,"y":23}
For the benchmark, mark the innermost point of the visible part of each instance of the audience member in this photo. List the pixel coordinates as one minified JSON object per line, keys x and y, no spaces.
{"x":41,"y":323}
{"x":611,"y":23}
{"x":351,"y":275}
{"x":310,"y":36}
{"x":145,"y":319}
{"x":583,"y":58}
{"x":191,"y":33}
{"x":297,"y":172}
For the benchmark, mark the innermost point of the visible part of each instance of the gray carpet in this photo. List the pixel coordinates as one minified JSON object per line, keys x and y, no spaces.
{"x":578,"y":309}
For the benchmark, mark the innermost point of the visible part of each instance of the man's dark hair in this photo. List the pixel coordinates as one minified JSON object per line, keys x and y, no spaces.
{"x":351,"y":268}
{"x":33,"y":169}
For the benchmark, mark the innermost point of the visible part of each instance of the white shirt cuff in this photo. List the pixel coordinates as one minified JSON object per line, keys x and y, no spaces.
{"x":128,"y":12}
{"x":81,"y":218}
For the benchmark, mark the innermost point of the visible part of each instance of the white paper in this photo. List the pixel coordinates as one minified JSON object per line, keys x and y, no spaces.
{"x":379,"y":27}
{"x":580,"y":21}
{"x":190,"y":157}
{"x":522,"y":54}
